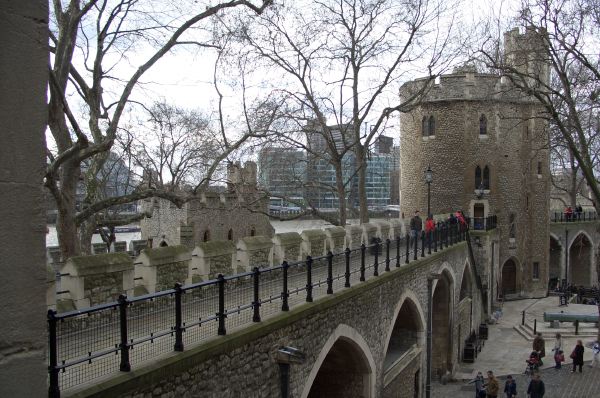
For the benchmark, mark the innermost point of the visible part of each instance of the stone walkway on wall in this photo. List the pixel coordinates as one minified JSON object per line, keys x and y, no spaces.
{"x":505,"y":352}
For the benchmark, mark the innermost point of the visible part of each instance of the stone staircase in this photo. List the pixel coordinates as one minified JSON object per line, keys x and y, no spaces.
{"x":566,"y":329}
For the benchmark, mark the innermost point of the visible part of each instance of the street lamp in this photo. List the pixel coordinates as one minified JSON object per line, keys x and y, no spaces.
{"x":430,"y":280}
{"x":428,"y":181}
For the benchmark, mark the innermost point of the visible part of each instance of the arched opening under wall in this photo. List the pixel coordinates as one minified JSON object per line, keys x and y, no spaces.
{"x":464,"y":310}
{"x":554,"y":261}
{"x":345,"y":372}
{"x":163,"y":244}
{"x":509,"y":278}
{"x":580,"y":261}
{"x":441,"y":352}
{"x":407,"y":334}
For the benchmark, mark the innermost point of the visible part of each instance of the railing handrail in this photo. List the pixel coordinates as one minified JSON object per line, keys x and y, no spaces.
{"x":446,"y":235}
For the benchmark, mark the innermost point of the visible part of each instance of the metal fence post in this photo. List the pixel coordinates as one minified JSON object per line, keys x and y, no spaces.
{"x":576,"y":327}
{"x":309,"y":286}
{"x":416,"y":248}
{"x":53,"y":389}
{"x":221,"y":331}
{"x":407,"y":249}
{"x":376,"y":262}
{"x":125,"y":366}
{"x":435,"y":237}
{"x":363,"y":249}
{"x":387,"y":255}
{"x":178,"y":321}
{"x":347,"y":273}
{"x":397,"y":251}
{"x":429,"y":239}
{"x":535,"y":326}
{"x":256,"y":301}
{"x":422,"y":243}
{"x":523,"y":318}
{"x":284,"y":292}
{"x":329,"y":272}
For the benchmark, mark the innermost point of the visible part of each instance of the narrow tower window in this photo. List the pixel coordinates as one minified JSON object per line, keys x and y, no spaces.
{"x":424,"y":127}
{"x":482,"y":125}
{"x":486,"y":178}
{"x":431,"y":125}
{"x":206,"y":236}
{"x":477,"y":177}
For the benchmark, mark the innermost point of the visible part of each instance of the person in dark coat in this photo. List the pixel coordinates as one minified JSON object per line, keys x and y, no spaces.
{"x":536,"y":387}
{"x":510,"y":387}
{"x":577,"y":356}
{"x":539,"y":345}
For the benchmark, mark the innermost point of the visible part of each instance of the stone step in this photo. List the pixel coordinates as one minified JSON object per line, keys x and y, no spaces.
{"x":526,"y":332}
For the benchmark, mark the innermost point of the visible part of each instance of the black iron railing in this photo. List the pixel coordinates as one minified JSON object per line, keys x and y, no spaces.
{"x":482,"y":223}
{"x":119,"y":336}
{"x":584,"y":216}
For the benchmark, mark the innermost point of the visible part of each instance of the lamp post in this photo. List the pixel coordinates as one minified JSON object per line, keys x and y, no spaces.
{"x":428,"y":181}
{"x":430,"y":280}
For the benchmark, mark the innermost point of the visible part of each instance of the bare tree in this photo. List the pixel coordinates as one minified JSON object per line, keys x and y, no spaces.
{"x":93,"y":44}
{"x":566,"y":80}
{"x":341,"y":62}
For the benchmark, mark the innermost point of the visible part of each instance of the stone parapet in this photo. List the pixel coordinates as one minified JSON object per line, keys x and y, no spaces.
{"x":254,"y":251}
{"x":287,"y":247}
{"x":384,"y":230}
{"x":136,"y":246}
{"x":160,"y":268}
{"x":397,"y":228}
{"x":313,"y":242}
{"x":336,"y":239}
{"x":92,"y":280}
{"x":354,"y":236}
{"x":210,"y":259}
{"x":370,"y":232}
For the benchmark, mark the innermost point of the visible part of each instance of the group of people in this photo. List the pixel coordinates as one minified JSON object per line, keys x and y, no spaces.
{"x":416,"y":223}
{"x":490,"y":388}
{"x":571,"y":214}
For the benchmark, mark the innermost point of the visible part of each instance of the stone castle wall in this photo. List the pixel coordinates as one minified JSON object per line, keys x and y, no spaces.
{"x":514,"y":149}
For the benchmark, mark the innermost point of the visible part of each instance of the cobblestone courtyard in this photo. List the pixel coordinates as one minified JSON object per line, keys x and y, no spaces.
{"x":559,"y":384}
{"x":506,"y":350}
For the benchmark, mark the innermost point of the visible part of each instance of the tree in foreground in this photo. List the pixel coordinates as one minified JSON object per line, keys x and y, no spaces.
{"x":94,"y":81}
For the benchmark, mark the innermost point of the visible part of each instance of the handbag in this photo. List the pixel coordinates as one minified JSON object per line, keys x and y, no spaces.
{"x":572,"y":356}
{"x":561,"y":357}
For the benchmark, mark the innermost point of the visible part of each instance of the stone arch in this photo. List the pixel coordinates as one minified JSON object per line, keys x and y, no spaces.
{"x":555,"y":262}
{"x":357,"y":354}
{"x":581,"y":252}
{"x":406,"y":329}
{"x":441,"y":318}
{"x":510,"y":276}
{"x":466,"y":284}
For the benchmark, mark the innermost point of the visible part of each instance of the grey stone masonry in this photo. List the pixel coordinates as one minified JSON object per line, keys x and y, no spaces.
{"x":313,"y":243}
{"x":97,"y":279}
{"x":287,"y":246}
{"x":254,"y":251}
{"x":160,"y":268}
{"x":354,"y":234}
{"x":336,"y":239}
{"x":210,"y":259}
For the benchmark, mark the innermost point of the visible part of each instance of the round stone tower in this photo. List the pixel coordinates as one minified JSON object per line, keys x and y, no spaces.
{"x":486,"y":143}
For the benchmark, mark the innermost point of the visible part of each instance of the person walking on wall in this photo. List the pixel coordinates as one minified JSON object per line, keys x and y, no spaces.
{"x":510,"y":387}
{"x":558,"y":351}
{"x":596,"y":355}
{"x":492,"y":387}
{"x":416,"y":225}
{"x":429,"y":228}
{"x":539,"y":345}
{"x":536,"y":387}
{"x":577,"y":356}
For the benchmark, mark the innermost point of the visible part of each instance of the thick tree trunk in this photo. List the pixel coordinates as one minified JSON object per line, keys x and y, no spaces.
{"x":341,"y":192}
{"x":66,"y":228}
{"x":361,"y":164}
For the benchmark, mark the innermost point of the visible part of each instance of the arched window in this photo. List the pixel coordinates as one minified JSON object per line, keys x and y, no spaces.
{"x":482,"y":125}
{"x":206,"y":236}
{"x":431,"y":125}
{"x":230,"y":234}
{"x":424,"y":126}
{"x":486,"y":178}
{"x":252,"y":231}
{"x":163,"y":244}
{"x":477,"y":177}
